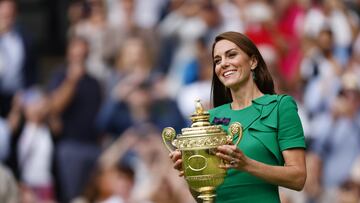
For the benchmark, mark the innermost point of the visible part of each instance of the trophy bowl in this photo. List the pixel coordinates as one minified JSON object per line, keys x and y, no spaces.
{"x":198,"y":145}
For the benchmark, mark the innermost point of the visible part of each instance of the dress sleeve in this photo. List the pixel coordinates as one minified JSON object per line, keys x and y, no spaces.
{"x":290,"y":131}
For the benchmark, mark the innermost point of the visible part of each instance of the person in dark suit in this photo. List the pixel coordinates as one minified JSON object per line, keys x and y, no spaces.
{"x":17,"y":57}
{"x":75,"y":98}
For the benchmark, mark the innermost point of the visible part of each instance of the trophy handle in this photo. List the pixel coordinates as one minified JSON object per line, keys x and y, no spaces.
{"x":235,"y":129}
{"x":168,"y":136}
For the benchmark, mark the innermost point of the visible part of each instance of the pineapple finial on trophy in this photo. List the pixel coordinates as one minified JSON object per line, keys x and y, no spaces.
{"x":200,"y":117}
{"x":198,"y":107}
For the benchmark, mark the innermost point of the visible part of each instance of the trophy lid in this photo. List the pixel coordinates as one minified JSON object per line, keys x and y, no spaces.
{"x":201,"y":134}
{"x":200,"y":123}
{"x":200,"y":117}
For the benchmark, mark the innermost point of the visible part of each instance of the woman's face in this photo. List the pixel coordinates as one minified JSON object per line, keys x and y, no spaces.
{"x":232,"y":65}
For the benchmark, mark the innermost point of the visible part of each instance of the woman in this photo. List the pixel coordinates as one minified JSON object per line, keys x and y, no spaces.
{"x":271,"y":152}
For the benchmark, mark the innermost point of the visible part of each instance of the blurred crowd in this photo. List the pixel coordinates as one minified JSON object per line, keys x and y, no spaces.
{"x":91,"y":133}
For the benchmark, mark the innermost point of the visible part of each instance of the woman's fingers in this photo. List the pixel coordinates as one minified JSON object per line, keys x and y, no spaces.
{"x":230,"y":150}
{"x":231,"y":155}
{"x":178,"y":164}
{"x":175,"y":157}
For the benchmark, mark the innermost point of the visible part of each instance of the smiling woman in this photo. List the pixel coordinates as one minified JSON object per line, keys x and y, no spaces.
{"x":235,"y":53}
{"x":227,"y":58}
{"x":271,"y":152}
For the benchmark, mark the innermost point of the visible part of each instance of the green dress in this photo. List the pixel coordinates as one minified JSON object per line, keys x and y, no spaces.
{"x":270,"y":125}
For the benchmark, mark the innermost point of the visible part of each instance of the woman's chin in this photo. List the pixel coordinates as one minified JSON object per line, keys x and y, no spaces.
{"x":231,"y":83}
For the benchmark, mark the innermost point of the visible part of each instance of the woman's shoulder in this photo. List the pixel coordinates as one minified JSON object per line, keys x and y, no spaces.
{"x":285,"y":101}
{"x":281,"y":99}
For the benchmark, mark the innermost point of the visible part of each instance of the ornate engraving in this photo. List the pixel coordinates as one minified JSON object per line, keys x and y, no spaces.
{"x":200,"y":142}
{"x":168,"y":133}
{"x":205,"y":177}
{"x":168,"y":136}
{"x":235,"y":128}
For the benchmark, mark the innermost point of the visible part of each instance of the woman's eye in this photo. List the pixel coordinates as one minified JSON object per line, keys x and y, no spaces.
{"x":217,"y":62}
{"x":232,"y":55}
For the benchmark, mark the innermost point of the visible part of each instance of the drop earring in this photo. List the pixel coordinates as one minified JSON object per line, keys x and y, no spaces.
{"x":253,"y":74}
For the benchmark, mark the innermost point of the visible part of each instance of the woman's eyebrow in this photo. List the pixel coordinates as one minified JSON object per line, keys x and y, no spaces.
{"x":226,"y":52}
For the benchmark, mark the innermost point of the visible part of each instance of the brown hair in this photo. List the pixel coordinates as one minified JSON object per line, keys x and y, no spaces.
{"x":263,"y":80}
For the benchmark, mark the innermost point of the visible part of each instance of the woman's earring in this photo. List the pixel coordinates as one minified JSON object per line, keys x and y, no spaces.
{"x":253,"y":74}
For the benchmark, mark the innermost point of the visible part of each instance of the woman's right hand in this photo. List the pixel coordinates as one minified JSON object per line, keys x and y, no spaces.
{"x":175,"y":157}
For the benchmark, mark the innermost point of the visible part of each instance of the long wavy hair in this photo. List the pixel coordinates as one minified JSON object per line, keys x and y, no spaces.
{"x":219,"y":93}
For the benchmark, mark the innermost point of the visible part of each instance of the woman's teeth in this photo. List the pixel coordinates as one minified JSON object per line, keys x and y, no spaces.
{"x":228,"y":73}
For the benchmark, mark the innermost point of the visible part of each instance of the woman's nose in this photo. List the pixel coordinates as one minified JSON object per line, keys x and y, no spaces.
{"x":224,"y":63}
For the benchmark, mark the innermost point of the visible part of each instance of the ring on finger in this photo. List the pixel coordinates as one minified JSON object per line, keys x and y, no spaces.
{"x":233,"y":162}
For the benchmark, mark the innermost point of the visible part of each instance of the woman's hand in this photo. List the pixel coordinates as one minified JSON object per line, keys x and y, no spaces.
{"x":175,"y":157}
{"x":233,"y":157}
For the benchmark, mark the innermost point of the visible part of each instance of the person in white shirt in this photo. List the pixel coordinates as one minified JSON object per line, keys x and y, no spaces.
{"x":35,"y":147}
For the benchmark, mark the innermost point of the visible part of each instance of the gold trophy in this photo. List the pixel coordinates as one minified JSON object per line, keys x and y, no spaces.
{"x":198,"y":147}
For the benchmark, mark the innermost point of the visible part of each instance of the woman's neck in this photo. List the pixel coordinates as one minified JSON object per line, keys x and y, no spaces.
{"x":242,"y":97}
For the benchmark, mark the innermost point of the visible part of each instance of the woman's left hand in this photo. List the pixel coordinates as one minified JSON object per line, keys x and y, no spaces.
{"x":233,"y":157}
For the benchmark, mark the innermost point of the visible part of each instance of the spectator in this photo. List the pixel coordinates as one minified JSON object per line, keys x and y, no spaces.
{"x":133,"y":65}
{"x":139,"y":13}
{"x":35,"y":147}
{"x":94,"y":29}
{"x":114,"y":175}
{"x":199,"y":74}
{"x":142,"y":149}
{"x":336,"y":142}
{"x":9,"y":192}
{"x":109,"y":185}
{"x":144,"y":104}
{"x":179,"y":30}
{"x":321,"y":72}
{"x":17,"y":60}
{"x":290,"y":14}
{"x":75,"y":98}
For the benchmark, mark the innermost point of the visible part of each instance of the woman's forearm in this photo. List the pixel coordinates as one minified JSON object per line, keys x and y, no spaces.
{"x":291,"y":175}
